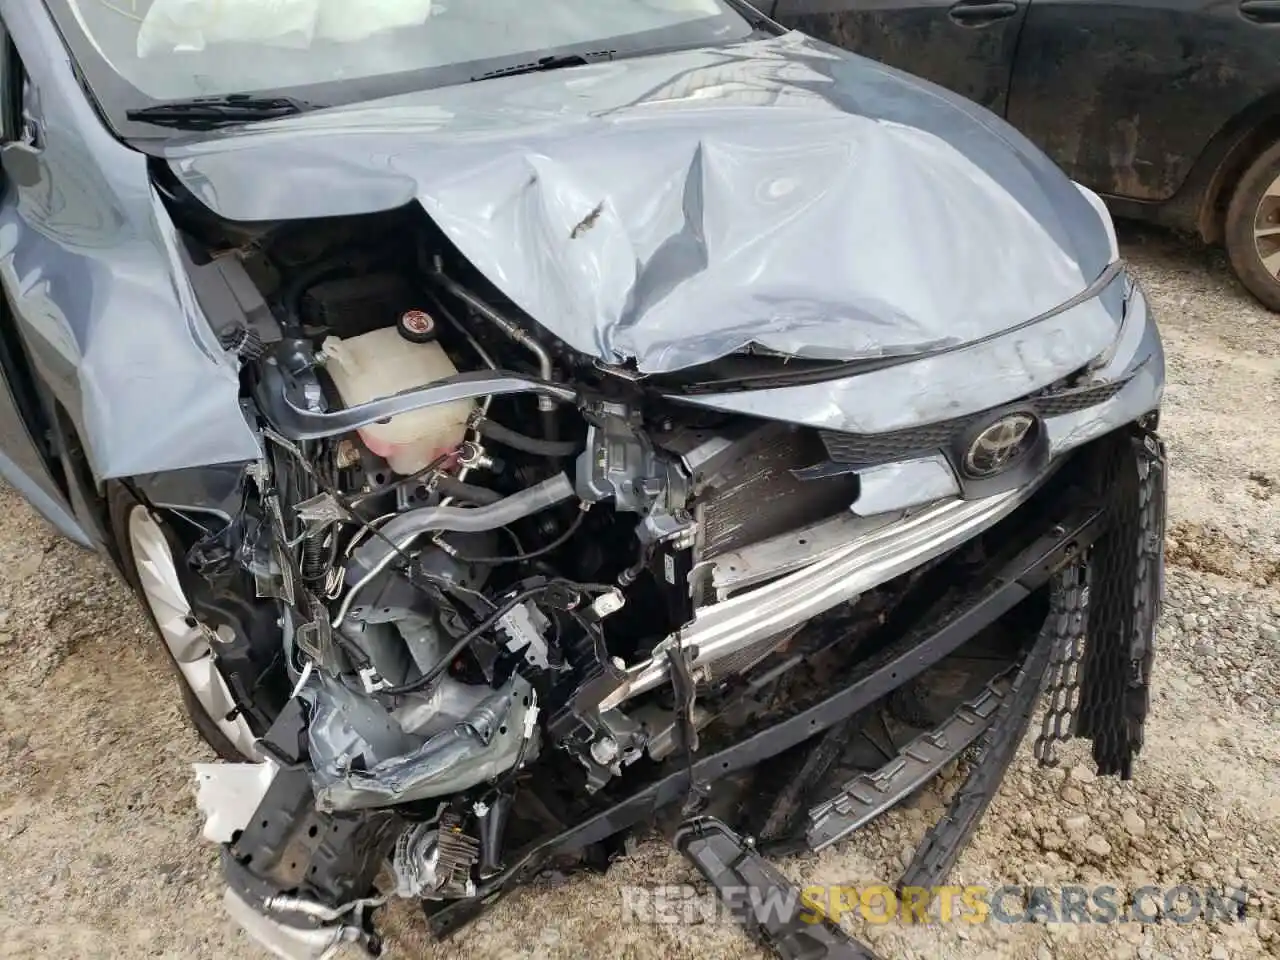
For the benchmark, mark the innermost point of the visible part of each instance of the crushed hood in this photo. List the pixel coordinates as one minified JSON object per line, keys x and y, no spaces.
{"x":673,"y":209}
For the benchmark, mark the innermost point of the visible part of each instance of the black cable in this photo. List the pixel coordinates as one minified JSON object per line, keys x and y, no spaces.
{"x":518,"y":441}
{"x":488,"y":624}
{"x":359,"y":659}
{"x":490,"y":621}
{"x":555,"y":544}
{"x":445,"y":584}
{"x":467,"y":639}
{"x":375,"y":532}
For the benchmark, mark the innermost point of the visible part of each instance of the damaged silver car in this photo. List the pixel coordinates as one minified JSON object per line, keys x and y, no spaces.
{"x":528,"y":424}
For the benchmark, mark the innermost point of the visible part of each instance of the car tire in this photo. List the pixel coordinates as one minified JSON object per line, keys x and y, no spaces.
{"x":1255,"y":207}
{"x":145,"y":546}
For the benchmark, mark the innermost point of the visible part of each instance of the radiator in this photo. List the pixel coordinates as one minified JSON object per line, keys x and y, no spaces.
{"x":750,"y":493}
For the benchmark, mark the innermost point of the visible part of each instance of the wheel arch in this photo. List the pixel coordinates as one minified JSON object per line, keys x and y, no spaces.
{"x":1212,"y":181}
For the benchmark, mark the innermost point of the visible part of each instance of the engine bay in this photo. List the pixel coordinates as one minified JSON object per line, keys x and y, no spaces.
{"x":481,"y":590}
{"x":463,"y":584}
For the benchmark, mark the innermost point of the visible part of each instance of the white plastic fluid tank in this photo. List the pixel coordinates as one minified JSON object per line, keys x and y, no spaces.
{"x":382,"y":363}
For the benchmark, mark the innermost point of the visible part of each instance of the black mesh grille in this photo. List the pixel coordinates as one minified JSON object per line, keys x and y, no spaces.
{"x":868,"y":449}
{"x":1099,"y":678}
{"x":1126,"y":590}
{"x":1069,"y":401}
{"x":865,"y":449}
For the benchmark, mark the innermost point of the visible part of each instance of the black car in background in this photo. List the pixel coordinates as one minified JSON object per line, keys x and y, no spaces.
{"x":1168,"y":108}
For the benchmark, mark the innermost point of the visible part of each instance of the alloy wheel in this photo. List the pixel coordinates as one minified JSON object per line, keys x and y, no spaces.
{"x":187,"y":639}
{"x":1266,"y":229}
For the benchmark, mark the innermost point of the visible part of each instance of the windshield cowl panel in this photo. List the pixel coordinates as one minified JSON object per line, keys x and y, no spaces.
{"x":337,"y":51}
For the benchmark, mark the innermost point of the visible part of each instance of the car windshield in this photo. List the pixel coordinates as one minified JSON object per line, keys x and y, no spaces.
{"x":177,"y":49}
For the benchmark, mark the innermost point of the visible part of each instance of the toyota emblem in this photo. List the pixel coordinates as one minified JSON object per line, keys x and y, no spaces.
{"x":1001,"y":445}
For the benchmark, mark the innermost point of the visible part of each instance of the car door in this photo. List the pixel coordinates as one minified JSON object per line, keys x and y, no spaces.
{"x":27,"y":437}
{"x":1125,"y":96}
{"x":965,"y":45}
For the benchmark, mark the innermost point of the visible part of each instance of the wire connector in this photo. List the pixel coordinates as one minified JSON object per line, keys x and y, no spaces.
{"x":371,"y":681}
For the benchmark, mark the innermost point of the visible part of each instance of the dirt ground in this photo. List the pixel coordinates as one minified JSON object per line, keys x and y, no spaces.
{"x":100,"y":849}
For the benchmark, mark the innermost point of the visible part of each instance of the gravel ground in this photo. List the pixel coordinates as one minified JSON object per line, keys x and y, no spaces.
{"x":100,"y":854}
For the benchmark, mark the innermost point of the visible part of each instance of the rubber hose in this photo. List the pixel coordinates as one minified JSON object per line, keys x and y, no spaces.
{"x":404,"y":528}
{"x":518,"y":441}
{"x":461,"y":490}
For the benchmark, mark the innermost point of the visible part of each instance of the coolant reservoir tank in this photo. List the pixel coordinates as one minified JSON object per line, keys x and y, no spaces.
{"x":382,"y":363}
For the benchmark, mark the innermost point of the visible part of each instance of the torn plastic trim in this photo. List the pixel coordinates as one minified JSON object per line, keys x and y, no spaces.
{"x":227,"y":794}
{"x":752,"y":888}
{"x":868,"y":795}
{"x":903,"y":485}
{"x":866,"y":562}
{"x":298,"y":423}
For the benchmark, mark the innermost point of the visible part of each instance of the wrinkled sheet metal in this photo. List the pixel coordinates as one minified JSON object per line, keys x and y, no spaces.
{"x":669,"y":210}
{"x":362,"y":758}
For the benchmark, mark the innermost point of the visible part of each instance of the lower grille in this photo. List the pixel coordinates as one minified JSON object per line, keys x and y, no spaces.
{"x":1099,"y":683}
{"x":1124,"y":604}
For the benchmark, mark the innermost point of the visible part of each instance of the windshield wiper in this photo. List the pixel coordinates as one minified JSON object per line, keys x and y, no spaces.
{"x":207,"y":113}
{"x":548,"y":63}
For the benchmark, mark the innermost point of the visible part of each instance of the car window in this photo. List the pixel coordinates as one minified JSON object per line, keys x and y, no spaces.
{"x":8,"y":114}
{"x":177,"y":49}
{"x":13,"y":89}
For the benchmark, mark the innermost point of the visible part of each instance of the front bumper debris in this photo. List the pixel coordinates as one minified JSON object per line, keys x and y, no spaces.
{"x":864,"y":798}
{"x":752,"y":887}
{"x":1092,"y":537}
{"x":1127,"y":587}
{"x":942,"y":844}
{"x":1007,"y":583}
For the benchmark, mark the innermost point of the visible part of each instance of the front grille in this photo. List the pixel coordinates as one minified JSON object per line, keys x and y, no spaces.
{"x":869,"y":449}
{"x":1098,"y":681}
{"x":1071,"y":401}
